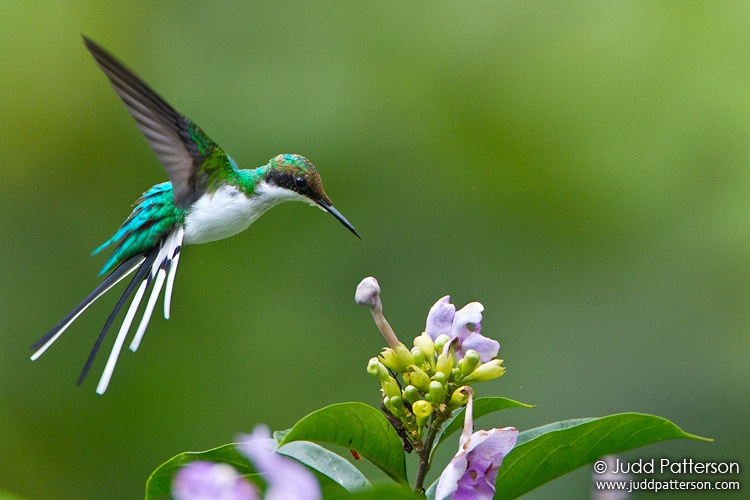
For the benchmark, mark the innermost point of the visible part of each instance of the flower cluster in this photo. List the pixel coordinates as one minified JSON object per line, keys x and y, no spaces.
{"x":448,"y":356}
{"x":422,"y":387}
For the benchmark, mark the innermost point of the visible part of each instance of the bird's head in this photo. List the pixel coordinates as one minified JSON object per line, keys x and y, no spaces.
{"x":298,"y":175}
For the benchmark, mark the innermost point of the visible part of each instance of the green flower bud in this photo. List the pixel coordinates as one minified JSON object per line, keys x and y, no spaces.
{"x":446,"y":362}
{"x":397,"y":402}
{"x":404,"y":356}
{"x":440,"y":342}
{"x":396,"y":406}
{"x":460,"y":397}
{"x":469,"y":362}
{"x":418,"y":378}
{"x":422,"y":410}
{"x":418,"y":354}
{"x":411,"y":394}
{"x":425,"y":343}
{"x":390,"y":387}
{"x":376,"y":369}
{"x":388,"y":358}
{"x":372,"y":367}
{"x":486,"y":371}
{"x":397,"y":359}
{"x":437,"y":391}
{"x":440,"y":377}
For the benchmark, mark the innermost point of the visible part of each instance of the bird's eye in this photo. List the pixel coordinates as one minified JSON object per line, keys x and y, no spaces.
{"x":301,"y":182}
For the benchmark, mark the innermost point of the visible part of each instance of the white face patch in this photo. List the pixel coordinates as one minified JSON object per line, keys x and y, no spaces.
{"x":276,"y":194}
{"x":228,"y":211}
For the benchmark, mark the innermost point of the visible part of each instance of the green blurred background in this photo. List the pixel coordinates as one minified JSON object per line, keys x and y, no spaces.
{"x":580,"y":168}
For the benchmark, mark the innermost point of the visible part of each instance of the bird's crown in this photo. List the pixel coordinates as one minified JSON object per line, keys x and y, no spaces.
{"x":298,"y":174}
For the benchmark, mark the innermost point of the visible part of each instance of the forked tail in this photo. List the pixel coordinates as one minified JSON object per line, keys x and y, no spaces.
{"x":158,"y":266}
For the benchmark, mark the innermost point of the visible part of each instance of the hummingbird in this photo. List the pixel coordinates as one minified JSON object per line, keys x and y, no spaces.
{"x":206,"y":198}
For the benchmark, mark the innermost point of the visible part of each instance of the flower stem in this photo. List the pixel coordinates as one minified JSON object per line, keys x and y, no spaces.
{"x":424,"y":450}
{"x":385,"y":328}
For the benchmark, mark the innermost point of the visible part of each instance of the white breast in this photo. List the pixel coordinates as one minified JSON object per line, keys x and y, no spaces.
{"x":228,"y":211}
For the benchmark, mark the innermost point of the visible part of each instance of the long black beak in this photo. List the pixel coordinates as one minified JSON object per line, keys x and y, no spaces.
{"x":329,"y":208}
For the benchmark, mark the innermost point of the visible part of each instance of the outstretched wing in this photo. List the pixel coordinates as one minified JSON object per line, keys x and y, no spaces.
{"x":188,"y":155}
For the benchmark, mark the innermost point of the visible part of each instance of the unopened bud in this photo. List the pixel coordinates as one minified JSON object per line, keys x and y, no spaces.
{"x":390,"y":387}
{"x":486,"y":371}
{"x":440,"y":342}
{"x":411,"y":394}
{"x":469,"y":362}
{"x":459,"y":397}
{"x":368,"y":295}
{"x":422,"y":410}
{"x":388,"y":358}
{"x":418,"y":354}
{"x":376,"y":369}
{"x":396,"y":406}
{"x":437,"y":391}
{"x":418,"y":378}
{"x":425,"y":343}
{"x":446,"y":361}
{"x":396,"y":402}
{"x":404,"y":356}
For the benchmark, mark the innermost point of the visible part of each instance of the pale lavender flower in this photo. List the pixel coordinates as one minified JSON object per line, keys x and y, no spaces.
{"x":472,"y":472}
{"x":443,"y":319}
{"x":368,"y":295}
{"x":202,"y":480}
{"x":286,"y":478}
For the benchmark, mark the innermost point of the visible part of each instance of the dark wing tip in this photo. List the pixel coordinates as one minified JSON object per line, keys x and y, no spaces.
{"x":96,"y":50}
{"x":171,"y":136}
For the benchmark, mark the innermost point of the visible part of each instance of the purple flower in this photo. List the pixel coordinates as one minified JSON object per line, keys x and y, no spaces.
{"x":472,"y":472}
{"x":201,"y":480}
{"x":286,"y":478}
{"x":463,"y":325}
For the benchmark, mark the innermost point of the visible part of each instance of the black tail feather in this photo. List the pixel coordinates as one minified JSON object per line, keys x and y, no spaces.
{"x":139,"y":276}
{"x":108,"y":282}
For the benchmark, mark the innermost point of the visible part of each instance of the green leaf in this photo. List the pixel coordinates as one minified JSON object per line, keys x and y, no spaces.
{"x":334,"y":480}
{"x":547,"y":452}
{"x":380,"y":492}
{"x":482,"y":406}
{"x":327,"y":463}
{"x":359,"y":427}
{"x":160,"y":481}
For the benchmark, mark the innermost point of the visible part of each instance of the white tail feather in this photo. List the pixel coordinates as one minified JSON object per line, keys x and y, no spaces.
{"x":52,"y":339}
{"x":163,"y":264}
{"x":177,"y":242}
{"x":149,"y":310}
{"x":109,"y":368}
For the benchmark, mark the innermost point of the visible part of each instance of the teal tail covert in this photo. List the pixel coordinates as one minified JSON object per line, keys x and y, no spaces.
{"x":207,"y":198}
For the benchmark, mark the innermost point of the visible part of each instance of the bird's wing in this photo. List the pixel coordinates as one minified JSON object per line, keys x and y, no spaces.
{"x":188,"y":155}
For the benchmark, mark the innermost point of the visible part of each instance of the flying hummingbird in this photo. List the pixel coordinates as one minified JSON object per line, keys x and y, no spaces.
{"x":207,"y":198}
